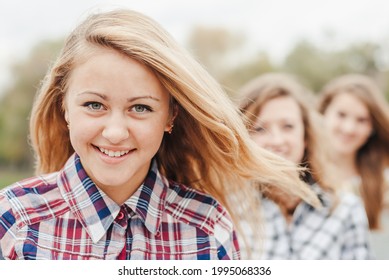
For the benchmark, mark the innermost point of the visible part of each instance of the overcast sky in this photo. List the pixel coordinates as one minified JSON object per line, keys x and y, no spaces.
{"x":271,"y":25}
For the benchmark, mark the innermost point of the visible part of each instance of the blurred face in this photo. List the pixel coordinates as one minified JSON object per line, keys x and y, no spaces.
{"x":118,"y":112}
{"x":280,"y":129}
{"x":348,"y":122}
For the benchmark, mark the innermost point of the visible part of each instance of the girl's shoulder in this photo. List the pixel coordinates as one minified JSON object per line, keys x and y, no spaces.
{"x":196,"y":207}
{"x":31,"y":199}
{"x":350,"y":205}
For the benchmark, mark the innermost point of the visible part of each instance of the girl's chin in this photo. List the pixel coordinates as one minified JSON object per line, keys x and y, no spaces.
{"x":345,"y":151}
{"x":107,"y":183}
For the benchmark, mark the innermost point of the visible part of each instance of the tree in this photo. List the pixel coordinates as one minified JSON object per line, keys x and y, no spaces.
{"x":317,"y":66}
{"x":215,"y":48}
{"x":235,"y":78}
{"x":16,"y":103}
{"x":313,"y":65}
{"x":222,"y":53}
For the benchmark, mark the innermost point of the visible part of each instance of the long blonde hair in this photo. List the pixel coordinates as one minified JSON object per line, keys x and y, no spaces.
{"x":372,"y":157}
{"x":209,"y":149}
{"x":257,"y":92}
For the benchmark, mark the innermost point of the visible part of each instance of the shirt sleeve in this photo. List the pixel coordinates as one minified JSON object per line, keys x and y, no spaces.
{"x":226,"y":238}
{"x":357,"y":245}
{"x":7,"y":228}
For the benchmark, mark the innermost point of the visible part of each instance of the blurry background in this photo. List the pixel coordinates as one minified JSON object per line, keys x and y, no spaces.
{"x":235,"y":40}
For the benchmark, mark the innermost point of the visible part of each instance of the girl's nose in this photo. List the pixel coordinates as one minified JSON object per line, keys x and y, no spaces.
{"x":276,"y":137}
{"x":116,"y":130}
{"x":348,"y":126}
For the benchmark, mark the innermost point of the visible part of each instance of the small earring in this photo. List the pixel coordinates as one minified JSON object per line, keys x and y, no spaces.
{"x":68,"y":124}
{"x":170,"y":129}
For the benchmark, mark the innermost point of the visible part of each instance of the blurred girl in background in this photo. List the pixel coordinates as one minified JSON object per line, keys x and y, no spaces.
{"x":357,"y":120}
{"x":281,"y":120}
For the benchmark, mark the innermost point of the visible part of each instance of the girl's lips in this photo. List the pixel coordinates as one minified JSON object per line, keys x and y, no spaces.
{"x":112,"y":156}
{"x":112,"y":153}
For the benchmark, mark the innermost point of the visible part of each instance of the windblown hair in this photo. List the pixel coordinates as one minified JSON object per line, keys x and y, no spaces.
{"x":209,"y":149}
{"x":372,"y":157}
{"x":257,"y":92}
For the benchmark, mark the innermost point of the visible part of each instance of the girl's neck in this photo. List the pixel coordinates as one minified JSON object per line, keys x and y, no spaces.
{"x":346,"y":166}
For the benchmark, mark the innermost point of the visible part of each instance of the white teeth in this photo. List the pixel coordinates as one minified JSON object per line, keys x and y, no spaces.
{"x":113,"y":153}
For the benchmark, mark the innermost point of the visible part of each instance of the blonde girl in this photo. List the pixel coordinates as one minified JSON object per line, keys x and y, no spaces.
{"x":138,"y":151}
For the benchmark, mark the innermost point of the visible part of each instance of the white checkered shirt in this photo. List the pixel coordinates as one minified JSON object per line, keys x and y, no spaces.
{"x":340,"y":233}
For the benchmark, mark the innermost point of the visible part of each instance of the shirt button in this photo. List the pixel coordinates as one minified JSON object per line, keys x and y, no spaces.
{"x":120,"y":215}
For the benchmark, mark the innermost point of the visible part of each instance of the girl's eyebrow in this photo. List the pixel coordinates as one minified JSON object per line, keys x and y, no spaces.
{"x":132,"y":99}
{"x":102,"y":96}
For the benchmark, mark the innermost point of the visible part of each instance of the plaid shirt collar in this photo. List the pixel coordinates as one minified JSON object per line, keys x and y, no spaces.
{"x":96,"y":211}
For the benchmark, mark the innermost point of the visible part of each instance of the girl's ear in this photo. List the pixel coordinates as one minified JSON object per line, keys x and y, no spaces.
{"x":170,"y":123}
{"x":66,"y":116}
{"x":175,"y":112}
{"x":65,"y":111}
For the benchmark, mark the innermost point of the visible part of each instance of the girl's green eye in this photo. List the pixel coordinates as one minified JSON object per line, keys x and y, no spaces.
{"x":95,"y":106}
{"x":139,"y":108}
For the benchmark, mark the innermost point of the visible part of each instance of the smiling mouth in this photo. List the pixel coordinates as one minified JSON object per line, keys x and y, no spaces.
{"x":113,"y":154}
{"x":345,"y":138}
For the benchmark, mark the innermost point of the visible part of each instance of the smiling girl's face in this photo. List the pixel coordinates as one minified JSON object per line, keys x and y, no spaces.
{"x":279,"y":128}
{"x":349,"y":124}
{"x":118,"y":112}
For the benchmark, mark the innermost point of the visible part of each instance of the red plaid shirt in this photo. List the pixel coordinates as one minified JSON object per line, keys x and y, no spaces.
{"x":63,"y":215}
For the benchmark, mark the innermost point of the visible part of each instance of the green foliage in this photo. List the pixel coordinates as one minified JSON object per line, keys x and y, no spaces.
{"x":215,"y":48}
{"x":313,"y":65}
{"x":9,"y":176}
{"x":16,"y":103}
{"x":236,"y":77}
{"x":316,"y":66}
